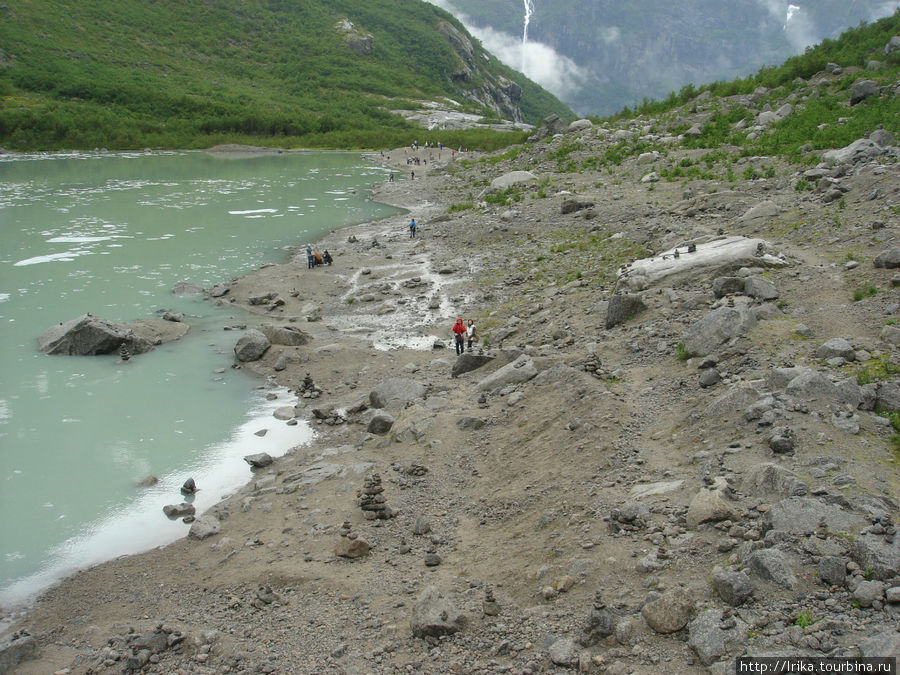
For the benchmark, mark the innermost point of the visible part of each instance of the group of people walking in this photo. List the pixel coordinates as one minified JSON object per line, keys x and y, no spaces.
{"x":463,"y":333}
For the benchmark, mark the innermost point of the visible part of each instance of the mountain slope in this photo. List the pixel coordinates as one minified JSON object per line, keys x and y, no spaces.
{"x":628,"y":51}
{"x":133,"y":73}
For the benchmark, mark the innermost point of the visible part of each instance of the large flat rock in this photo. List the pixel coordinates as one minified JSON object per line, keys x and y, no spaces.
{"x":713,"y":257}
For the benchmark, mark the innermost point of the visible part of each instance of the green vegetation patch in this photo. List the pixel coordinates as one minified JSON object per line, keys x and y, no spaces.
{"x":135,"y":73}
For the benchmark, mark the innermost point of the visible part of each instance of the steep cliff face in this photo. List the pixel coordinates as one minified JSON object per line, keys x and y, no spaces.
{"x":631,"y":50}
{"x":480,"y":86}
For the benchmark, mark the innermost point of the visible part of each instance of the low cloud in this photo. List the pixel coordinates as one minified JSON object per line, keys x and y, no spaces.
{"x":541,"y":63}
{"x":610,"y":35}
{"x":800,"y":30}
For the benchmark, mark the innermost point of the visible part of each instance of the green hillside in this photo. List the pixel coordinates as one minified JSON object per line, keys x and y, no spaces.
{"x":821,"y":119}
{"x":168,"y":73}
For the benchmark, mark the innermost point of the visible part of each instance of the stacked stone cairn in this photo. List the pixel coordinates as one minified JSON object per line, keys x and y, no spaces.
{"x":371,"y":499}
{"x":308,"y":388}
{"x":600,"y":623}
{"x":592,"y":366}
{"x":490,"y":606}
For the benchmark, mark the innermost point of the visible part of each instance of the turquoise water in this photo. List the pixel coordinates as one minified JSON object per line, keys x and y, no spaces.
{"x":111,"y":234}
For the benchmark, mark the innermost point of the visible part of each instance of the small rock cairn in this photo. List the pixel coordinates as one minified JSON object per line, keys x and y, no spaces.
{"x":592,"y":366}
{"x":490,"y":606}
{"x":308,"y":388}
{"x":350,"y":544}
{"x":371,"y":499}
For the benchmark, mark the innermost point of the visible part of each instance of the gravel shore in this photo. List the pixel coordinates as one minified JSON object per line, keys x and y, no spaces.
{"x":604,"y":483}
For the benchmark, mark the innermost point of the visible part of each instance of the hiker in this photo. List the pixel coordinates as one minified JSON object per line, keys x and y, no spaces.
{"x":412,"y":228}
{"x":459,"y":332}
{"x":470,"y":333}
{"x":310,"y":261}
{"x":326,"y":257}
{"x":318,"y":258}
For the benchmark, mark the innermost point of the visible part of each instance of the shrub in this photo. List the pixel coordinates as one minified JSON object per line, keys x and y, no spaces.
{"x":864,"y":292}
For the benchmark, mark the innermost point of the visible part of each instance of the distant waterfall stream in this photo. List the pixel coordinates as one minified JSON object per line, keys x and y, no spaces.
{"x":529,"y":11}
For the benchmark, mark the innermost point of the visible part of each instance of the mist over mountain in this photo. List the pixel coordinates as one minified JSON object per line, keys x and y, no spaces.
{"x":601,"y":55}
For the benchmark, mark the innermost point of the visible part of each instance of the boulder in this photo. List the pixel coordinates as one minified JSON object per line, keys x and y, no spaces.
{"x":251,"y":346}
{"x":712,"y":638}
{"x":811,"y":386}
{"x":772,"y":479}
{"x":179,"y":510}
{"x":867,"y":592}
{"x":738,"y":397}
{"x":157,"y":330}
{"x":259,"y":460}
{"x":892,"y":46}
{"x":205,"y":526}
{"x":891,"y":335}
{"x":836,"y":347}
{"x":888,"y":396}
{"x":551,"y":126}
{"x":723,"y":286}
{"x":710,"y":506}
{"x":380,"y":423}
{"x":433,"y":615}
{"x":351,"y":548}
{"x":782,"y":440}
{"x":623,"y":307}
{"x":883,"y":137}
{"x":650,"y":489}
{"x":889,"y":259}
{"x":861,"y":149}
{"x":733,"y":587}
{"x":773,"y":565}
{"x":187,"y":288}
{"x":713,"y":257}
{"x":803,"y":515}
{"x":600,"y":623}
{"x":563,"y":653}
{"x":512,"y":178}
{"x":519,"y":371}
{"x":669,"y":612}
{"x":876,"y":555}
{"x":285,"y":335}
{"x":468,"y":362}
{"x":716,"y":328}
{"x":881,"y":644}
{"x":89,"y":335}
{"x":862,"y":89}
{"x":760,"y":214}
{"x":832,"y":570}
{"x":580,"y":125}
{"x":760,"y":289}
{"x":15,"y":649}
{"x":395,"y":392}
{"x":709,"y":377}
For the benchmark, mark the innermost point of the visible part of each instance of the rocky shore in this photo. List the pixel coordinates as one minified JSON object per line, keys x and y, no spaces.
{"x":670,"y":445}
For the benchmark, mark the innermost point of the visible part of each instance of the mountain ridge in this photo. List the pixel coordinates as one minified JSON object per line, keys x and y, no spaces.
{"x":168,"y":74}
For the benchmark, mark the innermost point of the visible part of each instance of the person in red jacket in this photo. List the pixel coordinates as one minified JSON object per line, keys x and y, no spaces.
{"x":459,"y":336}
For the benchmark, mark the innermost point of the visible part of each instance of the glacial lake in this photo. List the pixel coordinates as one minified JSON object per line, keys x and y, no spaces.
{"x":111,"y":234}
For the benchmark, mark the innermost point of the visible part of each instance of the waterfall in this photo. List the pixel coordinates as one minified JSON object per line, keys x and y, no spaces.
{"x":529,"y":11}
